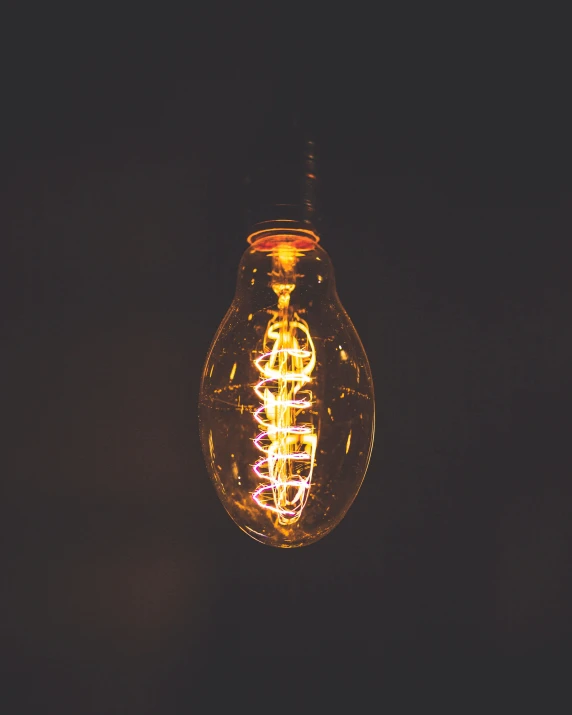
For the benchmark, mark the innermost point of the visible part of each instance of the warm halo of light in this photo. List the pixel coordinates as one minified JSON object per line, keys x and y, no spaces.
{"x":287,"y":441}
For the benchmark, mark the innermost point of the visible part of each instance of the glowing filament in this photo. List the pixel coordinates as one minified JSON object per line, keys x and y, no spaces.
{"x":288,"y":443}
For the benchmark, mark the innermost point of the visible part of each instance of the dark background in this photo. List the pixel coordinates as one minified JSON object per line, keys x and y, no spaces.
{"x":446,"y":199}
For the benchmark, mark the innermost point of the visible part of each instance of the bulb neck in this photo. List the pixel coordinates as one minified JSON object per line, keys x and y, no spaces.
{"x":272,"y":232}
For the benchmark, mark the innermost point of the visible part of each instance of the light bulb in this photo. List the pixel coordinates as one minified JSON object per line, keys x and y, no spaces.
{"x":286,"y":399}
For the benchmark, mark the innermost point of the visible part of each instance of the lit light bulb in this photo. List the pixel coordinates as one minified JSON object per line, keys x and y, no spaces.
{"x":286,"y":398}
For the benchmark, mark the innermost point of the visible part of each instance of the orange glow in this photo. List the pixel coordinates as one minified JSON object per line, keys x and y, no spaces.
{"x":287,"y":441}
{"x":300,"y":238}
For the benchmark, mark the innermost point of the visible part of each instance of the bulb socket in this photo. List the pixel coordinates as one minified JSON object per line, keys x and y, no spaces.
{"x":281,"y":188}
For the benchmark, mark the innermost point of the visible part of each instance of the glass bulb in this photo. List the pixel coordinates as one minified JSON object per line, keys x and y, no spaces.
{"x":286,"y":399}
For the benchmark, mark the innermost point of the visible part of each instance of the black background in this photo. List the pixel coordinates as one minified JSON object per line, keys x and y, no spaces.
{"x":446,"y":199}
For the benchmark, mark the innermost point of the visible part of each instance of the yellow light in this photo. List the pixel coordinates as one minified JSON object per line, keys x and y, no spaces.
{"x":286,"y":439}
